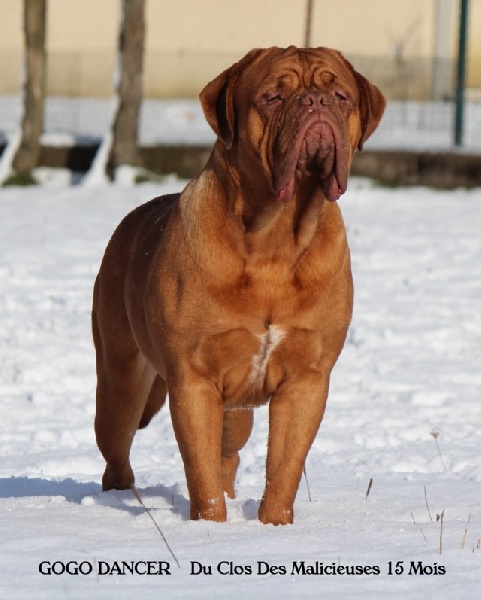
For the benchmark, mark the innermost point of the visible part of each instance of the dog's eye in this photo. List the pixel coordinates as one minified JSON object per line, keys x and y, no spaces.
{"x":272,"y":98}
{"x":340,"y":96}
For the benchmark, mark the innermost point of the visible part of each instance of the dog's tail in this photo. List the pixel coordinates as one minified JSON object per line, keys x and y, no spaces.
{"x":155,"y":401}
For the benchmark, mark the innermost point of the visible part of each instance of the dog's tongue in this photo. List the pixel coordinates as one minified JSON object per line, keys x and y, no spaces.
{"x":285,"y":193}
{"x":333,"y":189}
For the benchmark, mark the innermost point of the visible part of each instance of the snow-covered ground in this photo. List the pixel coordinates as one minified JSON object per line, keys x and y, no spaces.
{"x":404,"y":411}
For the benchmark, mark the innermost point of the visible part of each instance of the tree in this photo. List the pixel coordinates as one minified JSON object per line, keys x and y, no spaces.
{"x":34,"y":25}
{"x":124,"y":150}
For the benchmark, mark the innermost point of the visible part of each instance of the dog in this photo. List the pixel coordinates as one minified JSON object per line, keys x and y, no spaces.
{"x":238,"y":291}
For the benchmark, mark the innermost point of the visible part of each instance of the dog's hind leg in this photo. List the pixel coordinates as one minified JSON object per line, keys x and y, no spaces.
{"x":237,"y":428}
{"x":122,"y":400}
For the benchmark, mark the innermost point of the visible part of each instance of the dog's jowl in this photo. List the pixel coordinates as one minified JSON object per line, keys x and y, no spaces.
{"x":238,"y":290}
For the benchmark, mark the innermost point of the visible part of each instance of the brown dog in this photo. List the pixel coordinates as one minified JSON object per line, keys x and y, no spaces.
{"x":238,"y":290}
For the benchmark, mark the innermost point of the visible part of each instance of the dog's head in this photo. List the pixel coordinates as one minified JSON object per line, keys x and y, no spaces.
{"x":297,"y":112}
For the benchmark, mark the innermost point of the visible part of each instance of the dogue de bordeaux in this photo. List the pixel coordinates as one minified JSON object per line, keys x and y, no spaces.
{"x":238,"y":290}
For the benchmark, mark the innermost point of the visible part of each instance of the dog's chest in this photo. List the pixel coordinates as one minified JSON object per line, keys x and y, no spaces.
{"x":268,"y":342}
{"x":249,"y":367}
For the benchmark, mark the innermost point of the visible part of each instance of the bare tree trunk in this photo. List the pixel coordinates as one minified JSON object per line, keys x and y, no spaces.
{"x":34,"y":22}
{"x":124,"y":149}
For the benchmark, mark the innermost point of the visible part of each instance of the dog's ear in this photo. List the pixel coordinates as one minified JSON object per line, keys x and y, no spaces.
{"x":371,"y":107}
{"x":217,"y":98}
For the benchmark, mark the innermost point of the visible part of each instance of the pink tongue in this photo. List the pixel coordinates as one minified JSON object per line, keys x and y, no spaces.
{"x":286,"y":193}
{"x":335,"y":191}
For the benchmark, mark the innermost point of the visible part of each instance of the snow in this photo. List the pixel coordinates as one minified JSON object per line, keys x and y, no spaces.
{"x":404,"y":411}
{"x":8,"y":154}
{"x":97,"y":173}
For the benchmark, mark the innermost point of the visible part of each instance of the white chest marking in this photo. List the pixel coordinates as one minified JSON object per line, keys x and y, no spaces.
{"x":268,"y":343}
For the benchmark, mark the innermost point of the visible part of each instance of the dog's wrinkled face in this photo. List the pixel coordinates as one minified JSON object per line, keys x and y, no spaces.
{"x":306,"y":111}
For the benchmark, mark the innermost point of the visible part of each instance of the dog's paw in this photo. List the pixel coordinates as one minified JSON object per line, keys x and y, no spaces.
{"x":275,"y":515}
{"x":212,"y":510}
{"x":117,"y":479}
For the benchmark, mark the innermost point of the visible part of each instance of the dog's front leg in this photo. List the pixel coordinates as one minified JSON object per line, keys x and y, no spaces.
{"x":197,"y":413}
{"x":295,"y":413}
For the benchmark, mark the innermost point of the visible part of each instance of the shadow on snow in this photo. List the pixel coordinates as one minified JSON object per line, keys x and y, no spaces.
{"x":76,"y":492}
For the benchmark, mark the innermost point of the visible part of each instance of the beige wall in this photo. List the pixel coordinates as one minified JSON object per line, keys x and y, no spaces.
{"x":475,"y":29}
{"x":82,"y":24}
{"x":353,"y":26}
{"x":376,"y":27}
{"x":10,"y":46}
{"x":224,"y":25}
{"x":198,"y":38}
{"x":11,"y":24}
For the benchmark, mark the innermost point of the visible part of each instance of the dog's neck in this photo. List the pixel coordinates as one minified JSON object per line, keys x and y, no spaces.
{"x":265,"y":219}
{"x":247,"y":225}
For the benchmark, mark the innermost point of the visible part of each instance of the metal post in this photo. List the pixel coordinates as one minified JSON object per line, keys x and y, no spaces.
{"x":461,"y":73}
{"x":308,"y":24}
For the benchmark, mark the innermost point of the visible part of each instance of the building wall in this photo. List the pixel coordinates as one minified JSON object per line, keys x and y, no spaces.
{"x":190,"y":41}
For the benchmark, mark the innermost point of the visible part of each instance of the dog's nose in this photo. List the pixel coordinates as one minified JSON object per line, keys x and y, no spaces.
{"x":314,"y":99}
